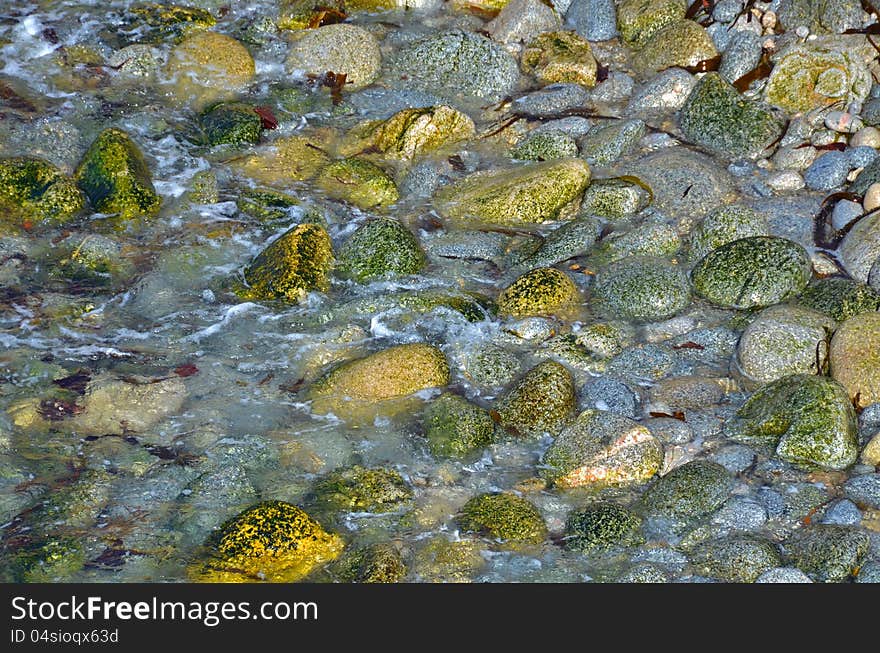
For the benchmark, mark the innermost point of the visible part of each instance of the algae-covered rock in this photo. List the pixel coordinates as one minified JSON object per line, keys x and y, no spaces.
{"x":272,"y":541}
{"x":638,"y":20}
{"x":114,"y":176}
{"x":855,"y":357}
{"x":820,"y":16}
{"x":602,"y":527}
{"x":736,"y":558}
{"x":560,"y":57}
{"x":725,"y":224}
{"x":34,"y":192}
{"x":505,"y":517}
{"x":602,"y":449}
{"x":358,"y":181}
{"x":642,"y":289}
{"x":682,"y":43}
{"x":545,"y":145}
{"x":606,"y":143}
{"x":231,"y":123}
{"x":527,"y":195}
{"x":615,"y":198}
{"x":291,"y":266}
{"x":808,"y":76}
{"x":412,"y":132}
{"x":808,"y":420}
{"x":541,"y":291}
{"x":542,"y":401}
{"x":752,"y":272}
{"x":840,"y":298}
{"x":359,"y":489}
{"x":828,"y":553}
{"x":566,"y":241}
{"x":382,"y":246}
{"x":717,"y":117}
{"x":208,"y":67}
{"x":457,"y":428}
{"x":860,"y":248}
{"x":284,"y":160}
{"x":266,"y":204}
{"x":341,"y":48}
{"x":299,"y":14}
{"x":375,"y":563}
{"x":691,"y":490}
{"x":653,"y":240}
{"x":52,"y":560}
{"x":152,"y":22}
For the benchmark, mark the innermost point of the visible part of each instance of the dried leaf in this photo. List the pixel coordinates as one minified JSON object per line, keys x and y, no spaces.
{"x":688,"y":345}
{"x":679,"y":415}
{"x":267,"y":118}
{"x":326,"y":16}
{"x":56,"y":410}
{"x":186,"y":370}
{"x":76,"y":382}
{"x":705,"y":66}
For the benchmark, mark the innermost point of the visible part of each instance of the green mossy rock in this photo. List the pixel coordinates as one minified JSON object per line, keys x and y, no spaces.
{"x":840,"y":298}
{"x":358,"y":181}
{"x":602,"y":449}
{"x":376,"y":563}
{"x":34,"y":192}
{"x":654,"y":240}
{"x":505,"y":517}
{"x":615,"y":198}
{"x":231,"y":123}
{"x":545,"y":145}
{"x":566,"y":241}
{"x":457,"y":428}
{"x":689,"y":491}
{"x":643,"y":289}
{"x":543,"y":291}
{"x":358,"y":489}
{"x":809,"y":420}
{"x":723,"y":225}
{"x":718,"y":118}
{"x":855,"y":358}
{"x":272,"y":541}
{"x":737,"y":558}
{"x":53,"y":560}
{"x":828,"y":553}
{"x":153,"y":22}
{"x":562,"y":57}
{"x":114,"y":176}
{"x":638,"y":20}
{"x":298,"y":14}
{"x":414,"y":132}
{"x":752,"y":272}
{"x":265,"y":204}
{"x":820,"y":16}
{"x":291,"y":266}
{"x":379,"y":248}
{"x":680,"y":44}
{"x":602,"y":527}
{"x":543,"y":401}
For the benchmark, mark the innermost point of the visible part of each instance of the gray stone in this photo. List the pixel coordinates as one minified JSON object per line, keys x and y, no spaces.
{"x":783,"y":575}
{"x":864,"y":490}
{"x":609,"y":394}
{"x":842,"y":512}
{"x":519,"y":21}
{"x":552,"y":100}
{"x":735,"y":458}
{"x":595,"y":20}
{"x":605,"y":144}
{"x":742,"y":54}
{"x":828,"y":171}
{"x":642,"y":289}
{"x":869,"y":573}
{"x":663,"y":93}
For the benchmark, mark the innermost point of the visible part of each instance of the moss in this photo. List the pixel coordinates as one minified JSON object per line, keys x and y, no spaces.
{"x":691,"y":490}
{"x":809,"y":420}
{"x":538,"y":292}
{"x":272,"y":541}
{"x":828,"y":553}
{"x":530,"y":194}
{"x":840,"y":298}
{"x":376,"y":563}
{"x":53,"y":560}
{"x":543,"y":400}
{"x":723,"y":225}
{"x":358,"y":489}
{"x":614,"y":198}
{"x":637,"y":20}
{"x":34,"y":192}
{"x":231,"y":123}
{"x":681,"y":43}
{"x":545,"y":145}
{"x":203,"y":188}
{"x":265,"y":204}
{"x":153,"y":22}
{"x":284,"y":160}
{"x":602,"y":449}
{"x":752,"y":272}
{"x":208,"y":67}
{"x":642,"y":289}
{"x":413,"y":132}
{"x":291,"y":266}
{"x":358,"y":181}
{"x":718,"y":118}
{"x":602,"y":527}
{"x":379,"y":248}
{"x":505,"y":517}
{"x":560,"y":57}
{"x":855,"y":358}
{"x":114,"y":176}
{"x":457,"y":428}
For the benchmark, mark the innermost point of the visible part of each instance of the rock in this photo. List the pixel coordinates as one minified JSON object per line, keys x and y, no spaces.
{"x":519,"y":21}
{"x":644,"y":573}
{"x":358,"y":181}
{"x":552,"y":100}
{"x":35,"y":192}
{"x":717,"y":117}
{"x":605,"y":144}
{"x":809,"y":76}
{"x":208,"y":67}
{"x":114,"y":406}
{"x":379,"y":248}
{"x":653,"y":239}
{"x":642,"y":289}
{"x":855,"y":357}
{"x":752,"y":272}
{"x":864,"y":490}
{"x":52,"y":560}
{"x":542,"y":401}
{"x":360,"y":489}
{"x":375,"y":563}
{"x":869,"y":573}
{"x":341,"y":48}
{"x":784,"y":340}
{"x":737,"y":558}
{"x":663,"y":93}
{"x":272,"y":541}
{"x":840,"y":298}
{"x":828,"y":171}
{"x":808,"y":420}
{"x":457,"y":62}
{"x":638,"y":20}
{"x":843,"y":513}
{"x":115,"y":177}
{"x":832,"y":16}
{"x":545,"y":146}
{"x":783,"y":181}
{"x":298,"y":14}
{"x":388,"y":374}
{"x":783,"y":575}
{"x":860,"y":248}
{"x":866,"y":137}
{"x":543,"y":291}
{"x":527,"y":195}
{"x":725,"y":224}
{"x":614,"y":198}
{"x":231,"y":123}
{"x":457,"y":428}
{"x":601,"y":527}
{"x":413,"y":132}
{"x":742,"y":54}
{"x":871,"y":452}
{"x":595,"y":20}
{"x":602,"y":449}
{"x":152,"y":22}
{"x":687,"y":392}
{"x":828,"y":553}
{"x":680,"y":44}
{"x":292,"y":266}
{"x":560,"y":57}
{"x":691,"y":490}
{"x":283,"y":161}
{"x":505,"y":517}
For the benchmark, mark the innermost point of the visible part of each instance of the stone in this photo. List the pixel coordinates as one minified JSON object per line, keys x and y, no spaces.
{"x":864,"y":490}
{"x":602,"y":527}
{"x":283,"y":161}
{"x":871,"y":452}
{"x":638,"y":20}
{"x":785,"y":575}
{"x":742,"y":54}
{"x":231,"y":123}
{"x":360,"y":489}
{"x":643,"y":289}
{"x":737,"y":558}
{"x":413,"y":132}
{"x":601,"y":449}
{"x":828,"y":553}
{"x":152,"y":22}
{"x":595,"y":20}
{"x":543,"y":291}
{"x":614,"y":198}
{"x":692,"y":490}
{"x":542,"y":401}
{"x":209,"y":67}
{"x":506,"y":517}
{"x":682,"y":43}
{"x":457,"y":428}
{"x":379,"y":248}
{"x":375,"y":563}
{"x":843,"y":513}
{"x":723,"y":225}
{"x":605,"y":144}
{"x":855,"y":357}
{"x":519,"y":21}
{"x":545,"y":146}
{"x":358,"y":181}
{"x":34,"y":192}
{"x":808,"y":421}
{"x":840,"y":298}
{"x":860,"y":248}
{"x":828,"y":171}
{"x":663,"y":93}
{"x":341,"y":48}
{"x":820,"y":16}
{"x":560,"y":57}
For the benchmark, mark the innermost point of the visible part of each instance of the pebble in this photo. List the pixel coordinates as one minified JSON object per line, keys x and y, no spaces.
{"x":866,"y":137}
{"x":735,"y":458}
{"x":828,"y":171}
{"x":595,"y":20}
{"x":864,"y":489}
{"x":842,"y":512}
{"x":843,"y":122}
{"x":783,"y":575}
{"x":785,"y":180}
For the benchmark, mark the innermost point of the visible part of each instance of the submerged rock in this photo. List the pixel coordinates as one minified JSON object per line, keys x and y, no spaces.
{"x":737,"y":558}
{"x":379,"y":248}
{"x":34,"y":192}
{"x":231,"y":123}
{"x":358,"y":489}
{"x":692,"y":490}
{"x":642,"y":289}
{"x":457,"y":428}
{"x":840,"y":298}
{"x":541,"y":291}
{"x":542,"y":401}
{"x":560,"y":57}
{"x":682,"y":43}
{"x":375,"y":563}
{"x":602,"y":527}
{"x":855,"y":357}
{"x":638,"y":20}
{"x":358,"y":181}
{"x":413,"y":132}
{"x":828,"y":553}
{"x":208,"y":67}
{"x":724,"y":225}
{"x":341,"y":48}
{"x":506,"y":517}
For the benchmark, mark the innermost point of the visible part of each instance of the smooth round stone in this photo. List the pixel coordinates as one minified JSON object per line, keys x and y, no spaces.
{"x":871,"y":452}
{"x":855,"y":357}
{"x":845,"y":212}
{"x":341,"y":48}
{"x":784,"y":181}
{"x":860,"y":248}
{"x":670,"y":430}
{"x":595,"y":20}
{"x":871,"y":200}
{"x":608,"y":394}
{"x":783,"y":575}
{"x":741,"y":514}
{"x":864,"y":490}
{"x":869,"y":573}
{"x":843,"y":512}
{"x":735,"y":458}
{"x":642,"y":288}
{"x":861,"y":157}
{"x":866,"y":137}
{"x":843,"y":122}
{"x":828,"y":171}
{"x":665,"y":92}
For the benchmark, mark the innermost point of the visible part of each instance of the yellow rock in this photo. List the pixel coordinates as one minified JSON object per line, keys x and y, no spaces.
{"x":285,"y":160}
{"x":208,"y":67}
